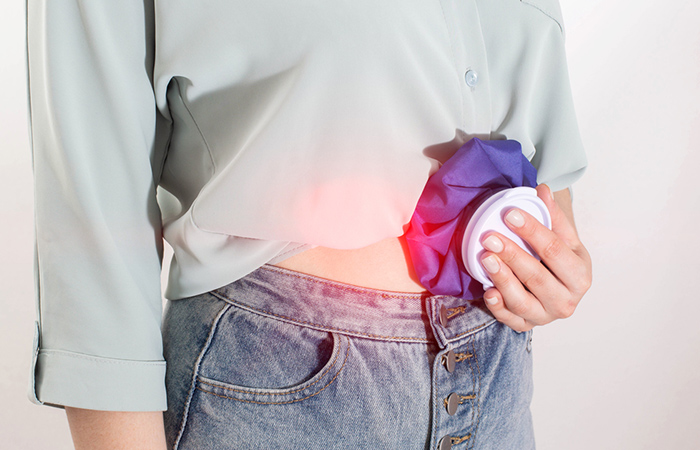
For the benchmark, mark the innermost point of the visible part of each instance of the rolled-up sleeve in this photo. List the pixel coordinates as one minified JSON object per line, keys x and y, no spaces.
{"x":98,"y":144}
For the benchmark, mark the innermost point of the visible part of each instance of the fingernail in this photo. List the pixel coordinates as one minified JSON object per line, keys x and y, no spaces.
{"x":491,"y":300}
{"x":493,"y":244}
{"x":515,"y":218}
{"x":491,"y":264}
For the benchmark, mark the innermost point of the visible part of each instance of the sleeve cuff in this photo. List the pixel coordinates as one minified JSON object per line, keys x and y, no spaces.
{"x":564,"y":181}
{"x":61,"y":378}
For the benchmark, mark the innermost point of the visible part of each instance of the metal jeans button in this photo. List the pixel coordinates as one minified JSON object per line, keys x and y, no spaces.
{"x":443,"y":316}
{"x":450,"y":361}
{"x":452,"y":402}
{"x":445,"y":443}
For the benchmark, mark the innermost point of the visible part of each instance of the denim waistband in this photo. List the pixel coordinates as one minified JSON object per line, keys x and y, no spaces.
{"x":322,"y":304}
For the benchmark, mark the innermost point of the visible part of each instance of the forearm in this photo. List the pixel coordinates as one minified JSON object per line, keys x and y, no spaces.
{"x":108,"y":430}
{"x":563,"y":199}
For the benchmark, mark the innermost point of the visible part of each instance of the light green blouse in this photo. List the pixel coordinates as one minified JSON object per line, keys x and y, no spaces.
{"x":245,"y":131}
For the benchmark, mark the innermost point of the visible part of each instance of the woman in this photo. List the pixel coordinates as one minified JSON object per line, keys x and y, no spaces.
{"x":280,"y":148}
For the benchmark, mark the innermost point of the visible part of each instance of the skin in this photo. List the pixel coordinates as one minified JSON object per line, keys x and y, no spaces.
{"x":527,"y":293}
{"x":116,"y":430}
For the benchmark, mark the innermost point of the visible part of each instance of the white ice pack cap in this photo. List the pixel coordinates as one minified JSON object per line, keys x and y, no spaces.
{"x":489,"y":216}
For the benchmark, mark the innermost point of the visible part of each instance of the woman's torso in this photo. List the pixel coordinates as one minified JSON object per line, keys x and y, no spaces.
{"x":319,"y":124}
{"x":384,"y":265}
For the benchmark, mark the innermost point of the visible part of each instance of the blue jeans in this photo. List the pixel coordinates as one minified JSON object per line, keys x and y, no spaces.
{"x":282,"y":360}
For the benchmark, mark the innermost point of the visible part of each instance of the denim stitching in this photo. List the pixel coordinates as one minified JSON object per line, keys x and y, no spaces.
{"x":469,"y":345}
{"x":433,"y":410}
{"x":290,"y":401}
{"x":483,"y":325}
{"x":193,"y":386}
{"x":335,"y":360}
{"x":324,"y":327}
{"x":478,"y":391}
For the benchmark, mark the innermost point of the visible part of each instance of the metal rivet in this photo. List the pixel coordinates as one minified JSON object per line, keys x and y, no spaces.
{"x":450,"y":361}
{"x":452,"y":404}
{"x":471,"y":78}
{"x":443,"y":316}
{"x":445,"y":443}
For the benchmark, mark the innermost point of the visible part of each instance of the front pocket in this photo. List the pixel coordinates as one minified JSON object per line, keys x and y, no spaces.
{"x":257,"y":359}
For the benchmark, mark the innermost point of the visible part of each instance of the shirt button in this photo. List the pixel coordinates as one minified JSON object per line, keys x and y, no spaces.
{"x":471,"y":78}
{"x":445,"y":443}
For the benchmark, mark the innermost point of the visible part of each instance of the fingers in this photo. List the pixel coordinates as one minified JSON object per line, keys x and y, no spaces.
{"x":528,"y":292}
{"x":494,"y":303}
{"x":572,"y":269}
{"x":528,"y":272}
{"x":515,"y":299}
{"x":521,"y":309}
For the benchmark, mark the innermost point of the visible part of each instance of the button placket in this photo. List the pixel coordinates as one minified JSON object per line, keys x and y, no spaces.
{"x":449,"y":360}
{"x":456,"y":397}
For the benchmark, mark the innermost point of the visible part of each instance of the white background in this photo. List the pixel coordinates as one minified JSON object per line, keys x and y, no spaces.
{"x":624,"y":371}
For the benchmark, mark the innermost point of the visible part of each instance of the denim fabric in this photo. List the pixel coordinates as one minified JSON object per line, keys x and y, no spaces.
{"x":279,"y":359}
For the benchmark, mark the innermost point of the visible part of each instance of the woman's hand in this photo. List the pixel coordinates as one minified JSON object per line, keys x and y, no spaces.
{"x":528,"y":292}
